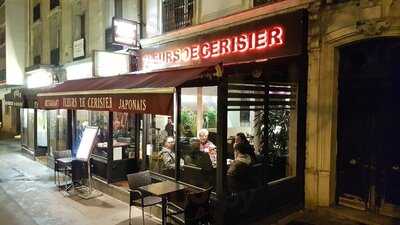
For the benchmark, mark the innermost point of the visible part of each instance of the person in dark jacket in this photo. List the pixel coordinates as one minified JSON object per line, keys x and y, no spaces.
{"x":238,"y":172}
{"x":249,"y":149}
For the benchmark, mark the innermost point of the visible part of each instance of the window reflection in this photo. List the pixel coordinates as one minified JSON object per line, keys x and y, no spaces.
{"x":124,"y":139}
{"x":27,"y":127}
{"x":31,"y":128}
{"x":267,"y":138}
{"x":86,"y":118}
{"x":58,"y":130}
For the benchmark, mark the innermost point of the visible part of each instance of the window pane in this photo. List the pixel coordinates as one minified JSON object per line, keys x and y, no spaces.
{"x":24,"y":126}
{"x":160,"y":147}
{"x":57,"y":130}
{"x":31,"y":128}
{"x":198,"y":136}
{"x":86,"y":118}
{"x":245,"y":165}
{"x":245,"y":137}
{"x":177,"y":14}
{"x":123,"y":136}
{"x":282,"y":132}
{"x":41,"y":128}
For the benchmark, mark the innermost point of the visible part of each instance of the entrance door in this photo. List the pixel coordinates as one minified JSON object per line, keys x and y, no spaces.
{"x":368,"y":121}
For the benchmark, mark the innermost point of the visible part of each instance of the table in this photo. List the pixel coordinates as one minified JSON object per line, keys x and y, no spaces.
{"x":162,"y":189}
{"x":64,"y":163}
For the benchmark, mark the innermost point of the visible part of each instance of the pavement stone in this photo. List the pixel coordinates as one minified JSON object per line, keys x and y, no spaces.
{"x":28,"y":196}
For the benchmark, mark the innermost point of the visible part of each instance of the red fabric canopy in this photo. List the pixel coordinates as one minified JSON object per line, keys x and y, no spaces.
{"x":157,"y":79}
{"x":138,"y":92}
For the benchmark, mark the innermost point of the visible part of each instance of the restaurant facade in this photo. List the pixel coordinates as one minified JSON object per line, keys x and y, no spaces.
{"x":249,"y":77}
{"x":258,"y":75}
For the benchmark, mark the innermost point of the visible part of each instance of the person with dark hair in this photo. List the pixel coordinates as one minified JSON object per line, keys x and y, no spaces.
{"x":169,"y":127}
{"x":249,"y":149}
{"x":238,"y":172}
{"x":198,"y":158}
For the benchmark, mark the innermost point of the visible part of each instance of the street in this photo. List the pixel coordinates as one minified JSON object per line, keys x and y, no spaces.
{"x":28,"y":196}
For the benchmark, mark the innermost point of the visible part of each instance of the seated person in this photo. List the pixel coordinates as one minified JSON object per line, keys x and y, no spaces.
{"x":198,"y":169}
{"x":198,"y":158}
{"x":241,"y":138}
{"x":187,"y":131}
{"x":238,"y":172}
{"x":167,"y":155}
{"x":119,"y":130}
{"x":207,"y":146}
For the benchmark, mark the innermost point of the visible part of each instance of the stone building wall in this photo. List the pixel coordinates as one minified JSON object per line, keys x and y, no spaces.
{"x":332,"y":25}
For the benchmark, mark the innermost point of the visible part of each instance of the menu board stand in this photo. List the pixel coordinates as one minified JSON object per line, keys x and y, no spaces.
{"x":83,"y":154}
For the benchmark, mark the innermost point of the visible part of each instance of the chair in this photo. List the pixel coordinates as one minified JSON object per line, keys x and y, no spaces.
{"x":138,"y":198}
{"x":196,"y":208}
{"x":60,"y":167}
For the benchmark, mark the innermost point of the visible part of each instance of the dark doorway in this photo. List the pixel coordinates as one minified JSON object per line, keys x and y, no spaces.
{"x":368,"y":118}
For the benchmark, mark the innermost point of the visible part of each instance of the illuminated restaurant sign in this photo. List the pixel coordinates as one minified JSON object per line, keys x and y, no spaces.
{"x":125,"y":32}
{"x":140,"y":103}
{"x":272,"y":37}
{"x":243,"y":43}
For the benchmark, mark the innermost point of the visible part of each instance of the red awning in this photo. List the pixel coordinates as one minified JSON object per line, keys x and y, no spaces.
{"x":138,"y":92}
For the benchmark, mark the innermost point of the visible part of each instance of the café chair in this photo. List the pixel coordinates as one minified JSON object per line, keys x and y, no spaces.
{"x":60,"y":167}
{"x":196,"y":208}
{"x":137,"y":197}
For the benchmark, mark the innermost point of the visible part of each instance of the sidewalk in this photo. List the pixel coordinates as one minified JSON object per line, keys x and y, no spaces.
{"x":28,"y":196}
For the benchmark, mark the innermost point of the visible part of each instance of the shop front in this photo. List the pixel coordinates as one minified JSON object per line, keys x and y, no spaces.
{"x":131,"y":111}
{"x":42,"y":131}
{"x":13,"y":104}
{"x":180,"y":120}
{"x":261,"y":94}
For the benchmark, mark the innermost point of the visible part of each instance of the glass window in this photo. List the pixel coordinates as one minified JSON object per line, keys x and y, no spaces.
{"x":177,"y":14}
{"x":282,"y":132}
{"x":31,"y":128}
{"x":99,"y":119}
{"x":251,"y":127}
{"x":57,"y":130}
{"x":124,"y":136}
{"x":160,"y":144}
{"x":41,"y":128}
{"x":270,"y":152}
{"x":198,"y":136}
{"x":24,"y":126}
{"x":245,"y":137}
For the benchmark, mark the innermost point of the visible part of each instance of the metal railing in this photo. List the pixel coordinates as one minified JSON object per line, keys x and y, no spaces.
{"x":177,"y":14}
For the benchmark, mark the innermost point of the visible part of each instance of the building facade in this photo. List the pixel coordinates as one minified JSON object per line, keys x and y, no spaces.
{"x":352,"y":46}
{"x":12,"y":62}
{"x":338,"y":31}
{"x":345,"y":95}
